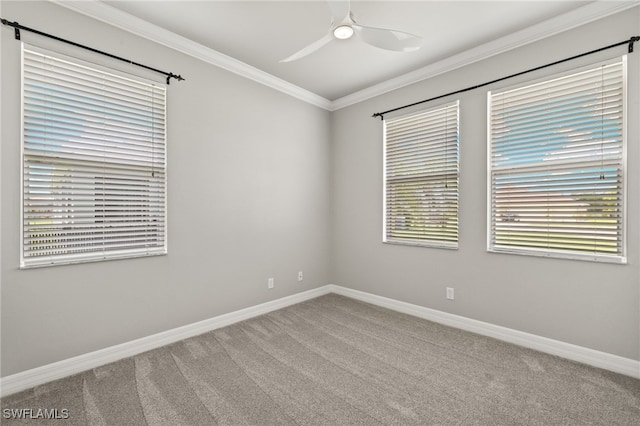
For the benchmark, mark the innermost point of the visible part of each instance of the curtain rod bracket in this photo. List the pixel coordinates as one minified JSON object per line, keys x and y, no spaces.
{"x":632,"y":40}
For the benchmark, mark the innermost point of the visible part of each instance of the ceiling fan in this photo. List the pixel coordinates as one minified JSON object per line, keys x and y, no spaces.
{"x":343,"y":26}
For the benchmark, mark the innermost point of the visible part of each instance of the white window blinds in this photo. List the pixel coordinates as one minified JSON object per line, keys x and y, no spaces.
{"x":421,"y":178}
{"x":94,"y":164}
{"x":557,"y":166}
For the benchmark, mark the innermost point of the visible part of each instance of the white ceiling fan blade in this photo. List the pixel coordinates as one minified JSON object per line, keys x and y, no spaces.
{"x":339,"y":10}
{"x":398,"y":41}
{"x":310,"y":48}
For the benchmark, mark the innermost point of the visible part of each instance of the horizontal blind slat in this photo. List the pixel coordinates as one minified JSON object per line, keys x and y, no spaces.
{"x":556,"y":165}
{"x":94,"y":162}
{"x":421,"y":174}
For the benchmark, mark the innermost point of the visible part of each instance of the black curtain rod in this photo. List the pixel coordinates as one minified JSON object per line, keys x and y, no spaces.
{"x":17,"y":27}
{"x":630,"y":42}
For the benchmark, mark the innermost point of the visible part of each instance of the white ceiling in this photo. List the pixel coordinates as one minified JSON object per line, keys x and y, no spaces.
{"x":260,"y":33}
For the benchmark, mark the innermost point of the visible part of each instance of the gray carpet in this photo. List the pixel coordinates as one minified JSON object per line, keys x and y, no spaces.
{"x":337,"y":361}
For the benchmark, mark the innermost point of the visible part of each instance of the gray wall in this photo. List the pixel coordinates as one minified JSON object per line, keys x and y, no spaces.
{"x":248,"y":199}
{"x":588,"y":304}
{"x":261,"y":185}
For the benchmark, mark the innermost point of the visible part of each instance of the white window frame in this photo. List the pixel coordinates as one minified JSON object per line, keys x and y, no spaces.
{"x":425,"y":241}
{"x":562,"y":253}
{"x":120,"y":178}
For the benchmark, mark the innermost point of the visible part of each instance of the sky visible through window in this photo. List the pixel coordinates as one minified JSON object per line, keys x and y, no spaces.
{"x":556,"y":164}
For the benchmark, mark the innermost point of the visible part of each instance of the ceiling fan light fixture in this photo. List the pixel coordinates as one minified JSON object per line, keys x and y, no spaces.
{"x":343,"y":32}
{"x":343,"y":26}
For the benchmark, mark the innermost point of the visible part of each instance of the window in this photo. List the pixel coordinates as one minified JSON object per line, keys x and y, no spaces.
{"x":421,"y":178}
{"x":557,"y":166}
{"x":94,"y":163}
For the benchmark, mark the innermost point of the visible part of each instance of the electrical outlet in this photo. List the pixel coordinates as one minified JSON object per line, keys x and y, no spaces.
{"x":270,"y":283}
{"x":450,"y":295}
{"x":300,"y":276}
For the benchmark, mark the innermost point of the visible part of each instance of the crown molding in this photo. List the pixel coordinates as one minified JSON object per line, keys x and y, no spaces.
{"x":561,"y":23}
{"x":556,"y":25}
{"x":112,"y":16}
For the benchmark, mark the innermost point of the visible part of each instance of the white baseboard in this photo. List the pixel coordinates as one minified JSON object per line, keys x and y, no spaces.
{"x":40,"y":375}
{"x":577,"y":353}
{"x":57,"y":370}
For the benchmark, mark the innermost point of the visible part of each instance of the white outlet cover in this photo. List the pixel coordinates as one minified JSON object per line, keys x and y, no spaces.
{"x":450,"y":293}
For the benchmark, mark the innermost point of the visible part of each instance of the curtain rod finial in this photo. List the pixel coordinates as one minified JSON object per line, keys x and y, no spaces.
{"x":172,"y":75}
{"x":15,"y":25}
